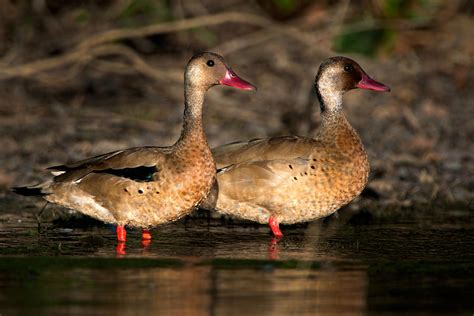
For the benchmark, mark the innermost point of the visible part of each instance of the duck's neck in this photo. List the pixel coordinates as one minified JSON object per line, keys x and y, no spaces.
{"x":337,"y":132}
{"x":192,"y":133}
{"x":329,"y":100}
{"x":333,"y":120}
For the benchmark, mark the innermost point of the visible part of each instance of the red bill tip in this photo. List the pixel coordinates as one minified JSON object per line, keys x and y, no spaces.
{"x":232,"y":80}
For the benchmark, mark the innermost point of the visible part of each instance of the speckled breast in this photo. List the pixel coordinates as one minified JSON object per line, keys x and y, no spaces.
{"x":326,"y":188}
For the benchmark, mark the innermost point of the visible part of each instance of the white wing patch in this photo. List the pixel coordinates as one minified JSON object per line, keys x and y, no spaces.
{"x":57,"y":173}
{"x":88,"y":202}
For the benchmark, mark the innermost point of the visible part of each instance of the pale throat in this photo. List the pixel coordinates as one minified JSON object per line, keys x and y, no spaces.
{"x":331,"y":100}
{"x":333,"y":121}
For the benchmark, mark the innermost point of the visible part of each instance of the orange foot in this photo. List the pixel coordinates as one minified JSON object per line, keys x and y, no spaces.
{"x":146,"y":234}
{"x":121,"y":233}
{"x":273,"y":223}
{"x":146,"y":238}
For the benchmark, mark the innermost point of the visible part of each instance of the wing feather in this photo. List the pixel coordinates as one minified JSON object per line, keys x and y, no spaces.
{"x":135,"y":160}
{"x":283,"y":147}
{"x":245,"y":181}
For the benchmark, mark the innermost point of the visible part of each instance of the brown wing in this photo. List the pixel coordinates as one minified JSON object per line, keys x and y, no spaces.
{"x":253,"y":181}
{"x":132,"y":163}
{"x":284,"y":147}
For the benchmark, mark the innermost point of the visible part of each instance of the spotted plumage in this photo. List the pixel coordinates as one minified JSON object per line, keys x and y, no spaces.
{"x":147,"y":186}
{"x":295,"y":179}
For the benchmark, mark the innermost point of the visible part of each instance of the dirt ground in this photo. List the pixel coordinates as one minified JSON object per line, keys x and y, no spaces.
{"x":419,"y":136}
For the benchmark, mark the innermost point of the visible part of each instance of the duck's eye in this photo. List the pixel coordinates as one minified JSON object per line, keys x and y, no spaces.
{"x":348,"y":68}
{"x":210,"y":63}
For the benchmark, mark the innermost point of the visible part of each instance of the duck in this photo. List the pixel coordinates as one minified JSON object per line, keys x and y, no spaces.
{"x":292,"y":179}
{"x":147,"y":186}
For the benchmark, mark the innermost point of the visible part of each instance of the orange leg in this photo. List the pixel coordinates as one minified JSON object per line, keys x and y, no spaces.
{"x":146,"y":234}
{"x":275,"y":227}
{"x":121,"y":233}
{"x":146,"y":238}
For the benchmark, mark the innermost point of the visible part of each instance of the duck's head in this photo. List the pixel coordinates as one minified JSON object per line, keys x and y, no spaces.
{"x":338,"y":75}
{"x":205,"y":70}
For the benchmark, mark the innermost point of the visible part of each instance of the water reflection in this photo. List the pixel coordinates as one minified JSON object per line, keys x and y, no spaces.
{"x":194,"y":289}
{"x":327,"y":291}
{"x":418,"y":265}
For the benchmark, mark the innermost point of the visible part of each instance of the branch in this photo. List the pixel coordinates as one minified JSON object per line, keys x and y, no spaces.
{"x":207,"y":20}
{"x":96,"y":46}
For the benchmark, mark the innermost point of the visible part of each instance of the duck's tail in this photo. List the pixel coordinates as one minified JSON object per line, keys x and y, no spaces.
{"x":29,"y":191}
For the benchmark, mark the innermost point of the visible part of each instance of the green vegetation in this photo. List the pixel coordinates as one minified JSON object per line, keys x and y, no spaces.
{"x":147,"y":10}
{"x":376,"y":30}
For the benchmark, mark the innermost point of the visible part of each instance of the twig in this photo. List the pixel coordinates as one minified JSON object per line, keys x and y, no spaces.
{"x":97,"y":46}
{"x":80,"y":59}
{"x":38,"y":217}
{"x":245,"y":41}
{"x":207,"y":20}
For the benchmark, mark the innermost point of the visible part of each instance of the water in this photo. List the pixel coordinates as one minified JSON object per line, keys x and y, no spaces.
{"x":403,"y":263}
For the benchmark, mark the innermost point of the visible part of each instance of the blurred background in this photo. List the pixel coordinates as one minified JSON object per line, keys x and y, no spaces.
{"x":79,"y":78}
